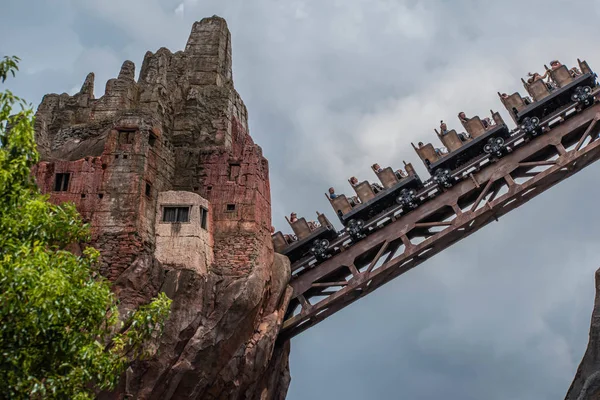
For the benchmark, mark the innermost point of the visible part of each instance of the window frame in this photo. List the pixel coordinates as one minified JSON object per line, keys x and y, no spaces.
{"x":234,"y":171}
{"x":152,"y":138}
{"x":203,"y":218}
{"x":62,"y":187}
{"x":176,"y":207}
{"x":126,"y":136}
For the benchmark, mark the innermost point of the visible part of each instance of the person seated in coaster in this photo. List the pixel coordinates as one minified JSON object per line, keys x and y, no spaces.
{"x":332,"y":194}
{"x":534,"y":77}
{"x":463,"y":136}
{"x":352,"y":200}
{"x":441,"y":151}
{"x":575,"y":72}
{"x":312,"y":225}
{"x":376,"y":168}
{"x":443,"y":128}
{"x":293,"y":217}
{"x":400,"y":174}
{"x":376,"y":187}
{"x":487,"y":122}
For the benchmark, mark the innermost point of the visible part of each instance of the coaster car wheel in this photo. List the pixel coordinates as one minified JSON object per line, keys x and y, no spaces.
{"x":355,"y":229}
{"x":443,"y":177}
{"x":408,"y":198}
{"x":531,"y":126}
{"x":583,"y":96}
{"x":495,"y":146}
{"x":319,"y":249}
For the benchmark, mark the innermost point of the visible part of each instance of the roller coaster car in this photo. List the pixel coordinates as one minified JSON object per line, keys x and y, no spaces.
{"x":482,"y":140}
{"x":546,"y":101}
{"x":396,"y":191}
{"x":314,"y":241}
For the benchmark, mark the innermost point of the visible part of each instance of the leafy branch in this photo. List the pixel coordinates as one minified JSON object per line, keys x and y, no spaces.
{"x":58,"y":316}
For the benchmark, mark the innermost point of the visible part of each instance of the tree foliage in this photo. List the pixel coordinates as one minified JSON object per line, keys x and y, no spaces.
{"x":60,"y":335}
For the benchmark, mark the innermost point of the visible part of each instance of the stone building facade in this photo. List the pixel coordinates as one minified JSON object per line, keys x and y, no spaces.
{"x":183,"y":229}
{"x":133,"y":161}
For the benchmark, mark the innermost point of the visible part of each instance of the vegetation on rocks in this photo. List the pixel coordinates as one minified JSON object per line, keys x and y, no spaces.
{"x":60,"y":332}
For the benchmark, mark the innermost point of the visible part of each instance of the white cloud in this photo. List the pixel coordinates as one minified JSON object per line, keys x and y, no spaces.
{"x":180,"y":10}
{"x":147,"y":21}
{"x":418,"y":22}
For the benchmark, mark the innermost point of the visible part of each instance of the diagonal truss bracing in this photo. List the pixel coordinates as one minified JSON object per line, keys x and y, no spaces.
{"x":445,"y":219}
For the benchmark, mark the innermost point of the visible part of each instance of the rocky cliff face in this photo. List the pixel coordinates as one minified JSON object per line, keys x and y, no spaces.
{"x":219,"y":342}
{"x":586,"y":385}
{"x":177,"y":138}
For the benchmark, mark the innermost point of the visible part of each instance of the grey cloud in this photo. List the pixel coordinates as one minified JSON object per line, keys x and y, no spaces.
{"x":332,"y":87}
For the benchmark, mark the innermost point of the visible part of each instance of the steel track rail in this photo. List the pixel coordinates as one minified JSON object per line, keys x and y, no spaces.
{"x":470,"y":204}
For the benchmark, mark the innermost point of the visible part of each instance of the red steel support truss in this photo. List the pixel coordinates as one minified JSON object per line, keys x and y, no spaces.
{"x":404,"y":243}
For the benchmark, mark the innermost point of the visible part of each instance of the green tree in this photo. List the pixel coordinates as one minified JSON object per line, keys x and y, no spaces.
{"x":60,"y":335}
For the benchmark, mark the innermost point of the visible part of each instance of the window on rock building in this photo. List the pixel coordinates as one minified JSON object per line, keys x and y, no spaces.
{"x":126,"y":136}
{"x":203,"y":218}
{"x":151,"y":139}
{"x":176,"y":214}
{"x":234,"y":171}
{"x":61,"y":182}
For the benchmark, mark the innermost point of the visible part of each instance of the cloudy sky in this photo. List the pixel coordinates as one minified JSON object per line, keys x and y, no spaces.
{"x":335,"y":85}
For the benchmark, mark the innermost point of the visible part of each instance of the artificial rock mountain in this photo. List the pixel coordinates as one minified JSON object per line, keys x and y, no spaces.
{"x":586,"y":385}
{"x":178,"y":198}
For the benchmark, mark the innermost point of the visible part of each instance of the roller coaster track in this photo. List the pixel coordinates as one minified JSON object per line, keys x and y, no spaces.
{"x":568,"y":145}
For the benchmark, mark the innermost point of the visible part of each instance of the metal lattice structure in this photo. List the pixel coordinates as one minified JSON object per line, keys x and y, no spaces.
{"x":533,"y":165}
